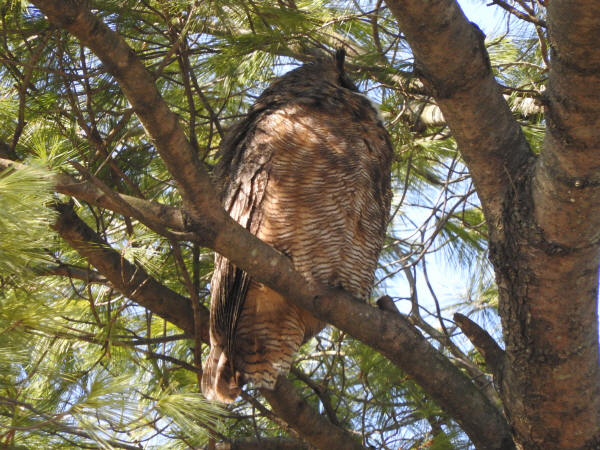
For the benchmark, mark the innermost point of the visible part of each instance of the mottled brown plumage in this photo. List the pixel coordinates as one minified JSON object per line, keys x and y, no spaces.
{"x":307,"y":171}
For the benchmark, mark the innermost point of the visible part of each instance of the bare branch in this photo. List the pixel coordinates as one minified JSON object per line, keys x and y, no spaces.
{"x":154,"y":215}
{"x":527,"y":16}
{"x":487,"y":346}
{"x":79,"y":273}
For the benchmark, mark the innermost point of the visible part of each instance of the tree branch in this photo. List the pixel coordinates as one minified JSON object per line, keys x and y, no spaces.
{"x":132,"y":281}
{"x":138,"y":85}
{"x":154,"y":215}
{"x":60,"y":426}
{"x":321,"y":392}
{"x":484,"y":343}
{"x":79,"y":273}
{"x":547,"y":267}
{"x":568,"y":173}
{"x":529,"y":16}
{"x":128,"y":278}
{"x":319,"y":431}
{"x":451,"y":58}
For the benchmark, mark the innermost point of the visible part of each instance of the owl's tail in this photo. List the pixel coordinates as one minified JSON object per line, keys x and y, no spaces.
{"x":267,"y":335}
{"x":219,"y":382}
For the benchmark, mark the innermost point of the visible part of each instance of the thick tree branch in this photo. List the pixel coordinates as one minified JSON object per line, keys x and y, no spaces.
{"x":451,"y":58}
{"x":388,"y":333}
{"x":160,"y":123}
{"x":421,"y":361}
{"x":568,"y":173}
{"x":393,"y":336}
{"x":548,"y":270}
{"x":149,"y":213}
{"x":316,"y":428}
{"x":543,"y":216}
{"x":128,"y":278}
{"x":134,"y":282}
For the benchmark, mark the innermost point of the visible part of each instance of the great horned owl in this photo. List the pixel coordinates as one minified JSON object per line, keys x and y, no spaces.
{"x":307,"y":171}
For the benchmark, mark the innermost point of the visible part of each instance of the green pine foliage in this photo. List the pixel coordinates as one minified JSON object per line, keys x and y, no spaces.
{"x":84,"y":366}
{"x":25,"y":217}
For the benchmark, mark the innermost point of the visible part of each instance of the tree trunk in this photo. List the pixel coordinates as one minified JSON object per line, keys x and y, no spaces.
{"x":547,"y":259}
{"x":542,"y":213}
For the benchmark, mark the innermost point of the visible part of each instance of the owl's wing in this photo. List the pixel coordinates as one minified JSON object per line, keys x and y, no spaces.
{"x":243,"y":172}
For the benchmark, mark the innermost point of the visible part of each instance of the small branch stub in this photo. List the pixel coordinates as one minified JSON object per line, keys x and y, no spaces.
{"x":484,"y":343}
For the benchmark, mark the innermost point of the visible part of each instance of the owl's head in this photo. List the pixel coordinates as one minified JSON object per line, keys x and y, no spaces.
{"x":332,"y":69}
{"x":324,"y":72}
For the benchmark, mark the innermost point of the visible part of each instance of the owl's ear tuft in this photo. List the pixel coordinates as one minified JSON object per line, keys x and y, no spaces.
{"x":340,"y":57}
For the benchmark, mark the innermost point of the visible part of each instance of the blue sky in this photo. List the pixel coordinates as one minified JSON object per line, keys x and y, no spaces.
{"x":491,"y":19}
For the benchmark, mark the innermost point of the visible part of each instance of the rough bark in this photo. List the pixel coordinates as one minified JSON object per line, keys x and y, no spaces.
{"x":542,"y":214}
{"x":551,"y":309}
